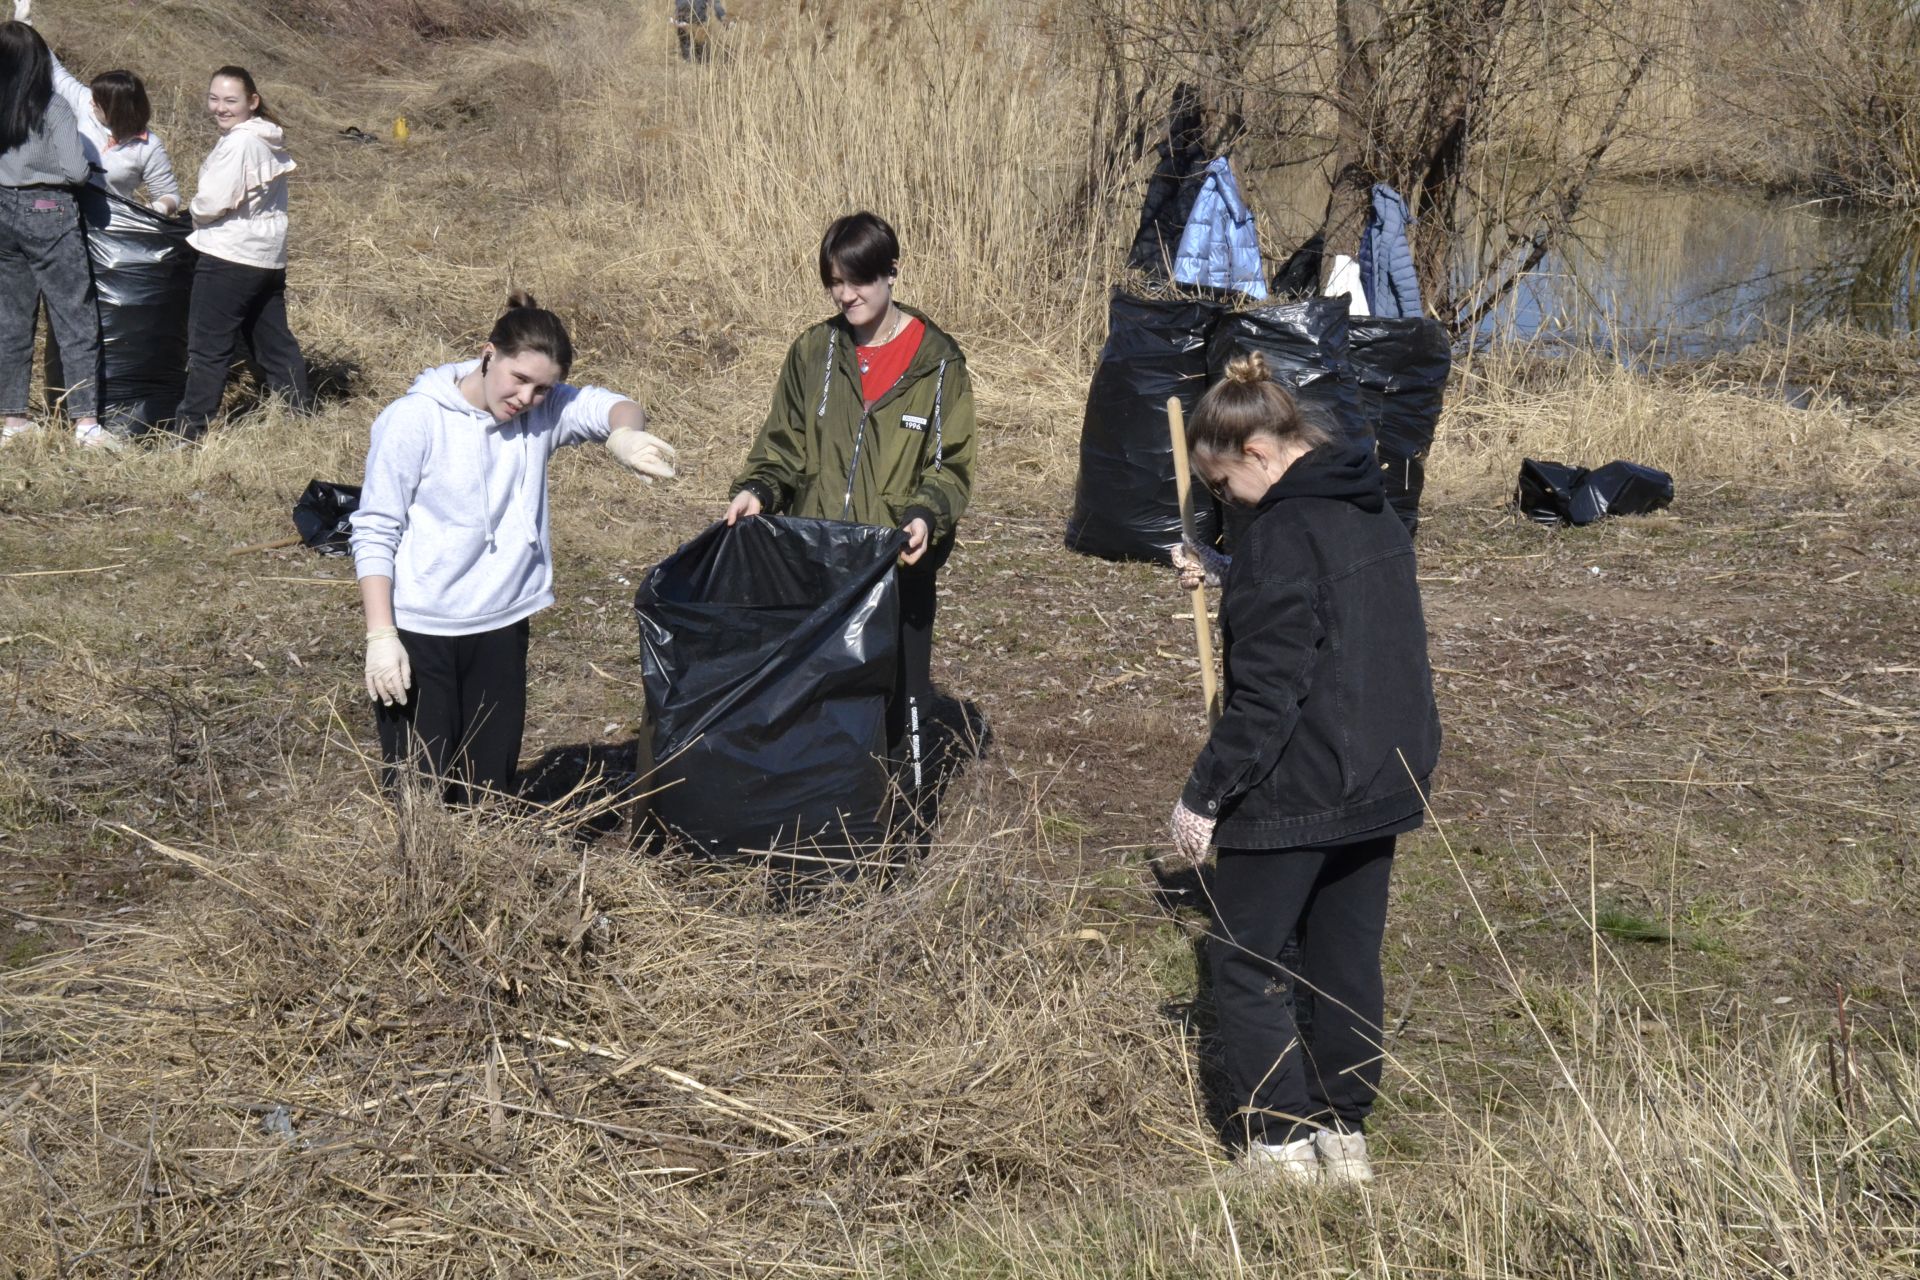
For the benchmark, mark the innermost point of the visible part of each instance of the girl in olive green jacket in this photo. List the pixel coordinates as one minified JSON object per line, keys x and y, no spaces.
{"x":873,"y":422}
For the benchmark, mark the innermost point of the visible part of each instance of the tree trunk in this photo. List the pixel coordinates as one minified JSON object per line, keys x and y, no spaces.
{"x":1355,"y":159}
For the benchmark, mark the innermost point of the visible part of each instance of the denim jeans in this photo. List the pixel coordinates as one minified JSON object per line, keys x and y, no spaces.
{"x":42,"y":252}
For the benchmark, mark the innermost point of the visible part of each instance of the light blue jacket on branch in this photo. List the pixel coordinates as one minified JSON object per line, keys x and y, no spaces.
{"x":1220,"y":248}
{"x":1386,"y":258}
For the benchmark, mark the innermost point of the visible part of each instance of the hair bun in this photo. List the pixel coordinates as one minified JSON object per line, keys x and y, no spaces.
{"x":1248,"y":370}
{"x":521,"y":298}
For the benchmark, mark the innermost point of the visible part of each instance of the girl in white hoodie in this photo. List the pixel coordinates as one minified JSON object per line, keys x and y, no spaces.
{"x":452,"y":547}
{"x":240,"y":228}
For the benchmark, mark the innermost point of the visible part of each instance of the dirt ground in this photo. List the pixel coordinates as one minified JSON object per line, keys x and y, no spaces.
{"x":1703,"y":720}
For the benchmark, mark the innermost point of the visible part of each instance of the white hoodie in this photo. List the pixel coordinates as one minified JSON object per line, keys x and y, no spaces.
{"x":240,"y":207}
{"x":454,"y":507}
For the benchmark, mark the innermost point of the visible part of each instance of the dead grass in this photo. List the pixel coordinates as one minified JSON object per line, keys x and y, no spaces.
{"x":254,"y":1018}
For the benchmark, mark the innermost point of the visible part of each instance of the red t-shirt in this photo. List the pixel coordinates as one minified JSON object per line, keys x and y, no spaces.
{"x":882,"y":366}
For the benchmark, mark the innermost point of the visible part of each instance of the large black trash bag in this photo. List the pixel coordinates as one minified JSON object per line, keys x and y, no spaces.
{"x":324,"y":516}
{"x":768,"y":652}
{"x":143,"y":275}
{"x":1126,"y":504}
{"x":1306,"y":346}
{"x":1555,"y":493}
{"x":1401,"y":366}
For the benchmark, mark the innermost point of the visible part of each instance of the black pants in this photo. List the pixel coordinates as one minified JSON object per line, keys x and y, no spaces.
{"x":1337,"y":898}
{"x":465,"y":714}
{"x":231,"y":303}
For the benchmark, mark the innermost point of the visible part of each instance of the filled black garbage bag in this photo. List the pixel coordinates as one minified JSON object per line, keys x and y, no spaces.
{"x":1555,"y":493}
{"x":1621,"y":489}
{"x":768,"y":651}
{"x":1126,"y":504}
{"x":143,"y":275}
{"x":1544,"y":493}
{"x":1401,"y":365}
{"x":324,"y":516}
{"x":1306,"y":346}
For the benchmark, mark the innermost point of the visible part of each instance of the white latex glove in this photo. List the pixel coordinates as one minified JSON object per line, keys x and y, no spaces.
{"x":389,"y":674}
{"x":23,"y":11}
{"x":642,"y":452}
{"x":1192,"y":833}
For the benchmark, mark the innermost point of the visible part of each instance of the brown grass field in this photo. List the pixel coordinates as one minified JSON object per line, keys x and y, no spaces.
{"x":1647,"y":968}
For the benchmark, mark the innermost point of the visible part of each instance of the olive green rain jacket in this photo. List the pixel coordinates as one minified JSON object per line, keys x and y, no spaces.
{"x":826,"y":454}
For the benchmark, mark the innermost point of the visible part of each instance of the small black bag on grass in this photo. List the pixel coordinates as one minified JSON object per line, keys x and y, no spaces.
{"x":768,"y":652}
{"x":1126,"y":504}
{"x":1401,"y":366}
{"x":324,"y":516}
{"x":1555,"y":493}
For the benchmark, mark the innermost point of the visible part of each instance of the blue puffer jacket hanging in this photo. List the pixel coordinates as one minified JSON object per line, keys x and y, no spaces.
{"x":1386,"y":258}
{"x":1220,"y":248}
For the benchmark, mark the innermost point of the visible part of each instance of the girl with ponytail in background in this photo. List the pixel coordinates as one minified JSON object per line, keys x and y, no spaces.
{"x":240,"y":228}
{"x":1320,"y":758}
{"x":452,"y":545}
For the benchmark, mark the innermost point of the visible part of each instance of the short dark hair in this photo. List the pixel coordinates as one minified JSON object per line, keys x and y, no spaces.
{"x":26,"y":83}
{"x":122,"y":99}
{"x":859,"y":248}
{"x":245,"y":77}
{"x":526,"y":326}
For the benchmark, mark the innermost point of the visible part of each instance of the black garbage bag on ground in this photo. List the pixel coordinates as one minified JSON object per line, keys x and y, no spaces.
{"x":768,"y":653}
{"x":1401,"y":366}
{"x":1306,"y":346}
{"x":1126,"y":504}
{"x":324,"y":516}
{"x":143,"y":274}
{"x":1556,"y":493}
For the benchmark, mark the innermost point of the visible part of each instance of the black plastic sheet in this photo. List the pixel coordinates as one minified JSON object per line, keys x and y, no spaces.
{"x":1126,"y":503}
{"x":768,"y":653}
{"x":1306,"y":345}
{"x":1556,"y":493}
{"x":143,"y":275}
{"x":1401,"y":367}
{"x":324,"y":516}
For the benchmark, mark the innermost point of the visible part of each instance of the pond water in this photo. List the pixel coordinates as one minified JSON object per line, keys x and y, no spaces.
{"x":1661,"y":272}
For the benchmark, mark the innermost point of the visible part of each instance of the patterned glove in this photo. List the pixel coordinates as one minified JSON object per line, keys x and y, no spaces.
{"x":1192,"y":833}
{"x":642,"y":452}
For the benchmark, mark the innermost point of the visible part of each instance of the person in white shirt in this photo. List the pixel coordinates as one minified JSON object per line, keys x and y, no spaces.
{"x":113,"y":112}
{"x":240,"y":283}
{"x":453,"y":549}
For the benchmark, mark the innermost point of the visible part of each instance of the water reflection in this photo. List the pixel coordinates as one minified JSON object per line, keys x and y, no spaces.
{"x":1685,"y":272}
{"x":1662,"y":272}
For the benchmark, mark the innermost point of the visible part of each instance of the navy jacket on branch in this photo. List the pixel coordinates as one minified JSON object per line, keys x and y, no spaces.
{"x":1328,"y":687}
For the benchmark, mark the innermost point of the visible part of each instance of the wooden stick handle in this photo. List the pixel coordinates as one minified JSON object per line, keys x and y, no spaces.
{"x":275,"y":545}
{"x":1202,"y":625}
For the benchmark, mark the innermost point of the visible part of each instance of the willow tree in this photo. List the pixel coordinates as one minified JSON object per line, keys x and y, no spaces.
{"x":1490,"y":117}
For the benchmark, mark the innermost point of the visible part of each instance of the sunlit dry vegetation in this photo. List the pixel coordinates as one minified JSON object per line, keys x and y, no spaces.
{"x":1647,"y":971}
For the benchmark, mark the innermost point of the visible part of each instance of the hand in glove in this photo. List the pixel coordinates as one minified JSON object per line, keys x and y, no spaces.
{"x":1192,"y":833}
{"x":1204,"y":568}
{"x":389,"y":674}
{"x":643,"y":452}
{"x":23,"y":11}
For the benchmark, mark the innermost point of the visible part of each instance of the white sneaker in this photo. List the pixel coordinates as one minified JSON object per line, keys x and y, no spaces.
{"x":11,"y":431}
{"x":1289,"y":1161}
{"x":95,"y":436}
{"x":1343,"y":1156}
